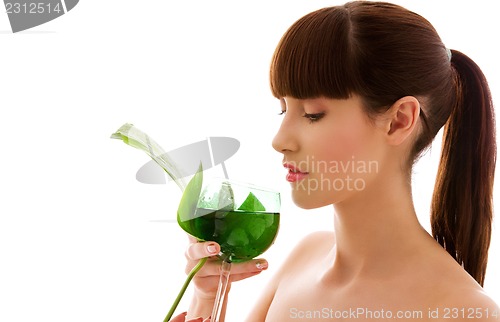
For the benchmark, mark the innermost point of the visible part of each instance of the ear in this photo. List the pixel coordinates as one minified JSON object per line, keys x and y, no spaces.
{"x":402,"y":119}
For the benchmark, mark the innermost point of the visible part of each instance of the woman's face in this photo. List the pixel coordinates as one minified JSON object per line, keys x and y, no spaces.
{"x":330,"y":147}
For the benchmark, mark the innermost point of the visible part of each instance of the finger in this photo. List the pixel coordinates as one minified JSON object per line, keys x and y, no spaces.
{"x":179,"y":318}
{"x":208,"y":285}
{"x":251,"y":266}
{"x":213,"y":267}
{"x":199,"y":250}
{"x":195,"y":320}
{"x":239,"y":277}
{"x":192,"y":239}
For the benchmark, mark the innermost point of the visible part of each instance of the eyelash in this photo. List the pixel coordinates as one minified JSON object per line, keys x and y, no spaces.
{"x":314,"y":117}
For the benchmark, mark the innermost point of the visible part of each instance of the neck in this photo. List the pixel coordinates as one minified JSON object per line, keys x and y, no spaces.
{"x":376,"y":230}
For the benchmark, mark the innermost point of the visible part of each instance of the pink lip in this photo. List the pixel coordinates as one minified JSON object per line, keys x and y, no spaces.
{"x":294,"y":174}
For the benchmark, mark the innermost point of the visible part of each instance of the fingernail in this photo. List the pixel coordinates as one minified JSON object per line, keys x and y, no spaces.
{"x":261,"y":265}
{"x":212,"y":249}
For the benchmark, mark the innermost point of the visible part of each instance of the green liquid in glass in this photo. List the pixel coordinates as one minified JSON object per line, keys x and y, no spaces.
{"x":241,"y":234}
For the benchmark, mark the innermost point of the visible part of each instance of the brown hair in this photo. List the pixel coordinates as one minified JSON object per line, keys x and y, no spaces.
{"x":382,"y":52}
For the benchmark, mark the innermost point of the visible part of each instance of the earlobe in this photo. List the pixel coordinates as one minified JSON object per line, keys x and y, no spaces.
{"x":404,"y":115}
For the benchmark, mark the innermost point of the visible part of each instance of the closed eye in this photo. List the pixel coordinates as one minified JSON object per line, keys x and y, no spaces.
{"x":314,"y":117}
{"x":283,"y":106}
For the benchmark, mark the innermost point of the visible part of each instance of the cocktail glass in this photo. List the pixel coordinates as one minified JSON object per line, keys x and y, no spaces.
{"x":242,"y":218}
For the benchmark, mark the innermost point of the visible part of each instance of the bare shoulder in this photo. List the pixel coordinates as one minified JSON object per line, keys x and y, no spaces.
{"x":470,"y":304}
{"x":311,"y":245}
{"x":315,"y":240}
{"x":455,"y":293}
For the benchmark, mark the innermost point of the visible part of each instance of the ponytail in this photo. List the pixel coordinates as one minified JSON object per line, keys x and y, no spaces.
{"x":462,"y":200}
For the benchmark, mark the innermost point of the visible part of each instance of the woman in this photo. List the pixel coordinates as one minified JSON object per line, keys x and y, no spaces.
{"x":364,"y":88}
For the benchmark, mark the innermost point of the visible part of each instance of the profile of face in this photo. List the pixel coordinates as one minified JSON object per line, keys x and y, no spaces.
{"x":331,"y":148}
{"x":352,"y":98}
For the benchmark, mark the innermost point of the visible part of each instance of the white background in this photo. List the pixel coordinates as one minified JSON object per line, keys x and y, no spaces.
{"x":78,"y":237}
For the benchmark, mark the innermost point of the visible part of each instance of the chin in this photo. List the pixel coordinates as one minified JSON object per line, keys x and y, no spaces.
{"x":308,"y":201}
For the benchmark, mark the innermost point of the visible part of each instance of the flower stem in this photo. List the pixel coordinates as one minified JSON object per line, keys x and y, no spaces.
{"x":184,"y":287}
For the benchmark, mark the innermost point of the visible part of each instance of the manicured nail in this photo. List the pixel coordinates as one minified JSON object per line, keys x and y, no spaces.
{"x":261,"y":265}
{"x":212,"y":249}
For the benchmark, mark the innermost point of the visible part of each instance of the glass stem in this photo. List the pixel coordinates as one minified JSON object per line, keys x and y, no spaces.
{"x":184,"y":287}
{"x":221,"y":291}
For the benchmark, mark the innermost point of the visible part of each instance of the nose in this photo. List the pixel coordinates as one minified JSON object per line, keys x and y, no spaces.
{"x":285,"y":139}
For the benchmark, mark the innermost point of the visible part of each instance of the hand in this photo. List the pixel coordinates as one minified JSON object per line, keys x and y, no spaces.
{"x":207,"y":279}
{"x":182,"y":318}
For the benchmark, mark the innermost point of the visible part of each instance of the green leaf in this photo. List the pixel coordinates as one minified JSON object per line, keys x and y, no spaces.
{"x":189,"y":200}
{"x":132,"y":136}
{"x":251,"y":203}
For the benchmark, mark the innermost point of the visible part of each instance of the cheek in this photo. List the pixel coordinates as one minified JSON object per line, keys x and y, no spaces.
{"x":349,"y":159}
{"x":345,"y":144}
